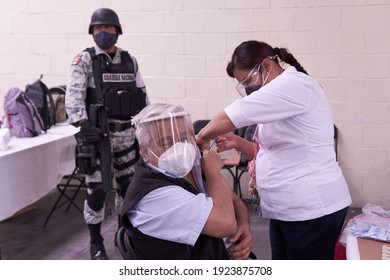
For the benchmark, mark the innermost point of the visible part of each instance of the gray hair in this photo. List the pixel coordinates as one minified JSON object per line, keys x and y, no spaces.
{"x":154,"y":112}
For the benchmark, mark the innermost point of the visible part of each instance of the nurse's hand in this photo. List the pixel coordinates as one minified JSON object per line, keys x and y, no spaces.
{"x":226,"y":142}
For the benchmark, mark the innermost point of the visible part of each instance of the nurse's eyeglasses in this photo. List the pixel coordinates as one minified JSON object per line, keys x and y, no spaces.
{"x":252,"y":78}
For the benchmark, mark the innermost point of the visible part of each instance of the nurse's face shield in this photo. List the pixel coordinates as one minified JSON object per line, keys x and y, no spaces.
{"x":168,"y":130}
{"x":250,"y":80}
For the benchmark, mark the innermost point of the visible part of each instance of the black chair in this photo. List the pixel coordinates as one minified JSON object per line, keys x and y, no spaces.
{"x":74,"y":180}
{"x":199,"y":124}
{"x":236,"y":171}
{"x":241,"y":168}
{"x":126,"y":249}
{"x":123,"y":243}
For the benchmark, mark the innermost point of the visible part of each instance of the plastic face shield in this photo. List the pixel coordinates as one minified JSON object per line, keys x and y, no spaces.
{"x":169,"y":129}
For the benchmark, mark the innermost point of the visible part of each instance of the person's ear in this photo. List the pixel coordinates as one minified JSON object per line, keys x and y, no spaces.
{"x":144,"y":152}
{"x":267,"y":65}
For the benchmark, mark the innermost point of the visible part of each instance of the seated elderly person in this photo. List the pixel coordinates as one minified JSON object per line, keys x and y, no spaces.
{"x":178,"y":205}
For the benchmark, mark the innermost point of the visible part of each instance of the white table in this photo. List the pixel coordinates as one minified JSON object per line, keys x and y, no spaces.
{"x":31,"y":167}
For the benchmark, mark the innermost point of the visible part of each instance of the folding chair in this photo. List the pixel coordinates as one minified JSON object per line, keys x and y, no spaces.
{"x":241,"y":168}
{"x":75,"y":180}
{"x":232,"y":168}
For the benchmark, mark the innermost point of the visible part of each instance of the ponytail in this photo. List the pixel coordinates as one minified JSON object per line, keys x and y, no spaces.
{"x":287,"y":57}
{"x":249,"y":53}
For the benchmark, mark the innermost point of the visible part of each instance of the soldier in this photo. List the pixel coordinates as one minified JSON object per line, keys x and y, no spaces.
{"x":104,"y":91}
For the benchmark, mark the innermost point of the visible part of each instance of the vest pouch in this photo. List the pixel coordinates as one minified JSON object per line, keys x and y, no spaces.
{"x":123,"y":104}
{"x":133,"y":102}
{"x":126,"y":103}
{"x":85,"y":156}
{"x":113,"y":104}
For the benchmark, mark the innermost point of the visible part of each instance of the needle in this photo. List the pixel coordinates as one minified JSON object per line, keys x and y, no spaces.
{"x":212,"y":142}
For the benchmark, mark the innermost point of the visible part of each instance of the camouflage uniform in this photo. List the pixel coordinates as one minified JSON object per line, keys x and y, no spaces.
{"x":122,"y":141}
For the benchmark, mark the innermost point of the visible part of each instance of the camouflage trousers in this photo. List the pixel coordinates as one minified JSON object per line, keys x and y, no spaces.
{"x":125,"y":154}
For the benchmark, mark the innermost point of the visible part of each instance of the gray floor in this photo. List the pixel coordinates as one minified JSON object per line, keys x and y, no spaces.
{"x":66,"y":237}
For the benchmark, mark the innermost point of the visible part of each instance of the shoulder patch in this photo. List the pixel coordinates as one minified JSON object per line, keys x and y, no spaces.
{"x":76,"y":60}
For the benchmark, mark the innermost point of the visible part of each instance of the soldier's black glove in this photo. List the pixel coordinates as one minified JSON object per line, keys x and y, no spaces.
{"x":91,"y":133}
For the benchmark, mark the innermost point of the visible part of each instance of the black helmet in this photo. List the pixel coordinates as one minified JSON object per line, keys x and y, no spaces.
{"x":105,"y":16}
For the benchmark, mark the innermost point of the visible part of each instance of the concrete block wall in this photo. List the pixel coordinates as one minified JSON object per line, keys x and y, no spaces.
{"x":183,"y":47}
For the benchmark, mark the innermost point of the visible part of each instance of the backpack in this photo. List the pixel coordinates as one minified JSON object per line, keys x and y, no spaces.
{"x":23,"y":117}
{"x":39,"y":94}
{"x":58,"y":96}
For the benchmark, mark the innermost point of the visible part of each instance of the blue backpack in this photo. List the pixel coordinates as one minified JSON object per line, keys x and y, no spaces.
{"x":23,"y":116}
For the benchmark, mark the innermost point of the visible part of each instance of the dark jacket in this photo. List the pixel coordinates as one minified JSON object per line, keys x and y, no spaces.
{"x":147,"y":247}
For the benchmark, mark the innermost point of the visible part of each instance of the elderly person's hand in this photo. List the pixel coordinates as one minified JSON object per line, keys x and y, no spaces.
{"x":202,"y":143}
{"x":211,"y":162}
{"x":243,"y":243}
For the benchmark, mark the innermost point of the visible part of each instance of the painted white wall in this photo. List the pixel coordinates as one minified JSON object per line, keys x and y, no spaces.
{"x":183,"y":47}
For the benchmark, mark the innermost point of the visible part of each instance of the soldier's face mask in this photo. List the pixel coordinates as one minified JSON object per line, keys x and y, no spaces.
{"x":105,"y":39}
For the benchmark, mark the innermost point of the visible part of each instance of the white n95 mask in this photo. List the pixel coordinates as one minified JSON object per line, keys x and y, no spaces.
{"x":178,"y":160}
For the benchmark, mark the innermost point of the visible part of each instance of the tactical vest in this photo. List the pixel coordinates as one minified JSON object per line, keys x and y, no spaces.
{"x":149,"y":248}
{"x":121,"y":97}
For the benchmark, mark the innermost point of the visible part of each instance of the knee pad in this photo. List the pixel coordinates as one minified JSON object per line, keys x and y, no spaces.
{"x":123,"y":184}
{"x":96,"y":196}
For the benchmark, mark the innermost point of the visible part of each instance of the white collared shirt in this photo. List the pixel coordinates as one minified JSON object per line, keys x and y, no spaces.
{"x":173,"y":213}
{"x":297,"y":175}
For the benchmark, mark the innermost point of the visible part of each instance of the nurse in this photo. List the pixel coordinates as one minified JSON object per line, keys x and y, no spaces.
{"x":302,"y":189}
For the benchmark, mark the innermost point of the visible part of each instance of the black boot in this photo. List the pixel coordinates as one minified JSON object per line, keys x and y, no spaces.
{"x":98,"y":252}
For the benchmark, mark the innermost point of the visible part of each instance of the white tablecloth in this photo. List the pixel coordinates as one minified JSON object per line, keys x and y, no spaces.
{"x":31,"y":167}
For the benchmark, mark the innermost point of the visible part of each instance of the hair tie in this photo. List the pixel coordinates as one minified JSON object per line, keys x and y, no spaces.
{"x":276,"y":51}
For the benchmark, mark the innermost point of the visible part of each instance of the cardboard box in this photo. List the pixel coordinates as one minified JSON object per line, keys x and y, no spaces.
{"x":373,"y":250}
{"x":367,"y":249}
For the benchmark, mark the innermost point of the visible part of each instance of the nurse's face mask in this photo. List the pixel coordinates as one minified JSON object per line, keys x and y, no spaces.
{"x":252,"y":82}
{"x":173,"y":145}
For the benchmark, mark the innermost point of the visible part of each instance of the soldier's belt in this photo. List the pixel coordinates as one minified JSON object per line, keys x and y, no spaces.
{"x":117,"y":127}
